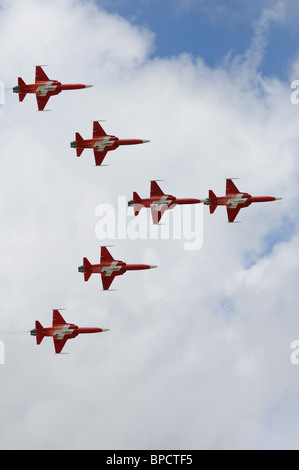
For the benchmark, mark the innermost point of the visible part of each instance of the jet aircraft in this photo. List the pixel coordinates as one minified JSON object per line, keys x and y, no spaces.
{"x":158,"y":202}
{"x":101,"y":143}
{"x":108,"y":268}
{"x":43,"y":87}
{"x":234,"y":200}
{"x":60,"y":331}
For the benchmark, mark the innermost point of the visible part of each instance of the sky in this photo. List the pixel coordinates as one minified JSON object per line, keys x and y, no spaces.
{"x":197,"y":355}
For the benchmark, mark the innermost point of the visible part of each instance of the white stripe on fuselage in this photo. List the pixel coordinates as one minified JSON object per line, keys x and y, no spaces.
{"x":44,"y":89}
{"x":61,"y":332}
{"x":109,"y":270}
{"x":162,"y":202}
{"x":234,"y":202}
{"x":105,"y":142}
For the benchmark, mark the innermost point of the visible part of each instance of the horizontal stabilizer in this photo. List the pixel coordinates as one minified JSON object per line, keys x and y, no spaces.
{"x":39,"y":336}
{"x":87,"y":276}
{"x":38,"y":326}
{"x":137,"y":203}
{"x":88,"y":271}
{"x":213,"y":201}
{"x":39,"y":339}
{"x":79,"y":139}
{"x":212,"y":195}
{"x":213,"y":207}
{"x":21,"y":85}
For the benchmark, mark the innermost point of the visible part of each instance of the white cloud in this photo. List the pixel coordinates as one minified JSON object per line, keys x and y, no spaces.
{"x":197,"y":355}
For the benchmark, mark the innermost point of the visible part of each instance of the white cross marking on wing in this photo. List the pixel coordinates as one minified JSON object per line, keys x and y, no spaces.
{"x":44,"y":89}
{"x":61,"y":332}
{"x":162,"y":202}
{"x":109,"y":270}
{"x":234,"y":202}
{"x":102,"y":144}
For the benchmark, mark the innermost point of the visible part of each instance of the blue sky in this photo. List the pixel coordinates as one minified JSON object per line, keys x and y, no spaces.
{"x":211,"y":29}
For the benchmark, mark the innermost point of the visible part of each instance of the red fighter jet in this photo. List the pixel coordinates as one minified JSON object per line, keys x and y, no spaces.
{"x":60,"y":331}
{"x":43,"y":87}
{"x":101,"y":143}
{"x":234,"y":200}
{"x":108,"y":268}
{"x":158,"y":202}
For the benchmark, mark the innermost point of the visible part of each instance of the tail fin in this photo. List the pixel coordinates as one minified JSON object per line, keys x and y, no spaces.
{"x":79,"y":139}
{"x":39,"y":336}
{"x":88,"y":271}
{"x":137,"y":203}
{"x":213,"y":201}
{"x":21,"y":84}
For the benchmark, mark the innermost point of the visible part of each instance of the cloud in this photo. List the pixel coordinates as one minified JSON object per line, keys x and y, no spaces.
{"x":206,"y":334}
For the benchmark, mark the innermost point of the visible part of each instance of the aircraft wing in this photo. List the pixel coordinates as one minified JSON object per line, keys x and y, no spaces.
{"x":40,"y":75}
{"x":98,"y":131}
{"x":155,"y":189}
{"x":106,"y":255}
{"x":107,"y":280}
{"x":57,"y":318}
{"x":42,"y":101}
{"x":231,"y":188}
{"x":59,"y":344}
{"x":157,"y":213}
{"x":232,"y":212}
{"x":99,"y":156}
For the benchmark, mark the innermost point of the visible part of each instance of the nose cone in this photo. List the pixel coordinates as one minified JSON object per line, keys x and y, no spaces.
{"x":152,"y":266}
{"x":105,"y":329}
{"x":88,"y":86}
{"x":145,"y":141}
{"x":278,"y":198}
